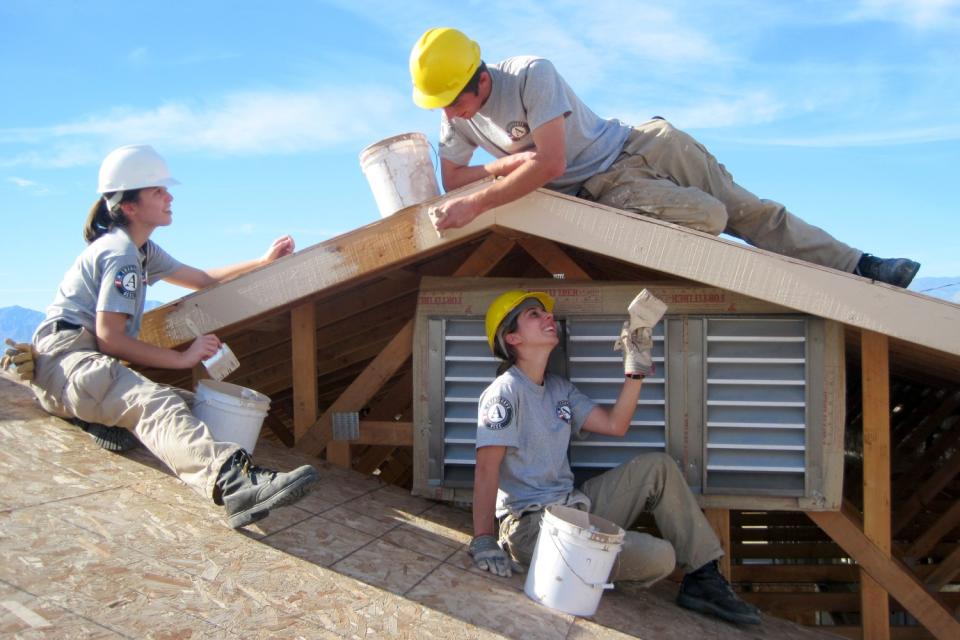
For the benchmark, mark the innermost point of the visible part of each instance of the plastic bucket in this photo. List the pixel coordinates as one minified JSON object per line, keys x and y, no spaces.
{"x":400,"y":172}
{"x":572,"y":560}
{"x":233,"y":413}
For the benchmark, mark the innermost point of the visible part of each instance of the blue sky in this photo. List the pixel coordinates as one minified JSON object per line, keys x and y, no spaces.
{"x":847,"y":112}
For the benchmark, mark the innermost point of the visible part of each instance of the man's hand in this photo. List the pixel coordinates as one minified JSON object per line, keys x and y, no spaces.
{"x":455,"y":213}
{"x":636,"y":335}
{"x":488,"y":556}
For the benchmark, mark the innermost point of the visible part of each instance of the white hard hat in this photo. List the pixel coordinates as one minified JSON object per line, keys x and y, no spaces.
{"x":135,"y":166}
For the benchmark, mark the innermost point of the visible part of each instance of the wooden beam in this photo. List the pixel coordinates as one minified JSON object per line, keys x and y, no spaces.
{"x":945,"y":572}
{"x":303,"y":348}
{"x":380,"y":369}
{"x":371,"y":459}
{"x":874,"y":360}
{"x":719,"y":519}
{"x":493,"y":249}
{"x":928,"y":490}
{"x":384,"y":432}
{"x":552,"y":258}
{"x":889,"y":572}
{"x":944,"y":525}
{"x":717,"y":262}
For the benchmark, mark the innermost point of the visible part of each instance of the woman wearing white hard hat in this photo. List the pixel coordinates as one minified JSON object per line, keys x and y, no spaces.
{"x":526,"y":418}
{"x":92,"y":326}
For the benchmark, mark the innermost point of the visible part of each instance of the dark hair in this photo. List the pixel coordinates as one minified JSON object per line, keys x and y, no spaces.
{"x":473,"y":84}
{"x":511,"y":356}
{"x":102,"y":219}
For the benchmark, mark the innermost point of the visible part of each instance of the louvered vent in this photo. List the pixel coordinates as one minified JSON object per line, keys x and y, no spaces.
{"x":756,"y":405}
{"x":468,"y":368}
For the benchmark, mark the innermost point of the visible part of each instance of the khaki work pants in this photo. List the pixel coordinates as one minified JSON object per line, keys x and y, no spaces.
{"x":74,"y":380}
{"x":650,"y":482}
{"x":664,"y":173}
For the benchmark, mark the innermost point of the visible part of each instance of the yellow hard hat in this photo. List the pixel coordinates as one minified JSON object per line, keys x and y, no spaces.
{"x":441,"y":64}
{"x":500,"y":308}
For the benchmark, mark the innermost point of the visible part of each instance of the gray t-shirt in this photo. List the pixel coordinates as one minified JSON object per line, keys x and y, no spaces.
{"x":528,"y":92}
{"x":111,"y":274}
{"x":535,"y":423}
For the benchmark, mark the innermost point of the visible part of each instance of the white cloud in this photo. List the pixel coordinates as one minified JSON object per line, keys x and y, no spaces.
{"x":28,"y":185}
{"x":250,"y":123}
{"x":920,"y":14}
{"x":23,"y":183}
{"x":883,"y":137}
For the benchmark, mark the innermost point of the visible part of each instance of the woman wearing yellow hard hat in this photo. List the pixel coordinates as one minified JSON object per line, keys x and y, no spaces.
{"x":526,"y":419}
{"x":93,"y":325}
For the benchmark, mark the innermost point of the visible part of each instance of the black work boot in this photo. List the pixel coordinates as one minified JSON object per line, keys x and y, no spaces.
{"x":896,"y":271}
{"x":248,"y":492}
{"x":116,"y":439}
{"x":707,"y":591}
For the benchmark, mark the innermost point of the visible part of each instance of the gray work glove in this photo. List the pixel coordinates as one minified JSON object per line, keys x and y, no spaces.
{"x":636,"y":335}
{"x":488,"y":556}
{"x":18,"y":360}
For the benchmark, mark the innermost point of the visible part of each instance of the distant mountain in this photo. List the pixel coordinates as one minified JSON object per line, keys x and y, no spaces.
{"x":943,"y":288}
{"x":18,"y":323}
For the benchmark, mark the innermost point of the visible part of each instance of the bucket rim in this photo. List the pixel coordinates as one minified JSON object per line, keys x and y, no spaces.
{"x":386,"y":142}
{"x":252,"y":398}
{"x":553,"y":515}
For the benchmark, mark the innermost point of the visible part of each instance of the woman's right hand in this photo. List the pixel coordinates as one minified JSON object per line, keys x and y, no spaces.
{"x":201,"y":349}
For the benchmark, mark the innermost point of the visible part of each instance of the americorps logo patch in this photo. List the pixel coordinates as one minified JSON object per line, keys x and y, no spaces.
{"x":565,"y":411}
{"x":128,"y":280}
{"x":517,"y":130}
{"x":497,"y":413}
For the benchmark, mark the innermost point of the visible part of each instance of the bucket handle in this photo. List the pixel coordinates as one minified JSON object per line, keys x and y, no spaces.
{"x":592,"y":585}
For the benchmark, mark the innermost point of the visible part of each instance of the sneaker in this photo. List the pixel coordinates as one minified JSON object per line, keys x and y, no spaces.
{"x":249,"y":492}
{"x":707,"y":591}
{"x":896,"y":271}
{"x":116,"y":439}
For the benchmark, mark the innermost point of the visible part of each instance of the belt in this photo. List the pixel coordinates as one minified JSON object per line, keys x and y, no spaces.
{"x":63,"y":325}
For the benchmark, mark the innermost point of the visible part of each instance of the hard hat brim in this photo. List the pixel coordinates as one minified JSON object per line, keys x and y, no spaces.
{"x":435,"y":101}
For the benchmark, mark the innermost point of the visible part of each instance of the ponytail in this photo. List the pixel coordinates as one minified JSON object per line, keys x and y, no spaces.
{"x":102,"y":218}
{"x":503,"y":351}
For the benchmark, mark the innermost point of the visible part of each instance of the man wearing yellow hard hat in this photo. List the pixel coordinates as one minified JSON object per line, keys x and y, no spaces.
{"x":523,"y":113}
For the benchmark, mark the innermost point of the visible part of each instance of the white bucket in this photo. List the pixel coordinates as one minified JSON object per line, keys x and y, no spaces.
{"x":233,"y":413}
{"x":400,"y":172}
{"x":572,"y":560}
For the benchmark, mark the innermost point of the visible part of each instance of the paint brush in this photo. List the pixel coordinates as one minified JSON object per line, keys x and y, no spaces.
{"x":222,"y":363}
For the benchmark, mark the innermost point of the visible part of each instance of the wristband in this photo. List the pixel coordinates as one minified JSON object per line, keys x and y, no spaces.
{"x":635,"y":376}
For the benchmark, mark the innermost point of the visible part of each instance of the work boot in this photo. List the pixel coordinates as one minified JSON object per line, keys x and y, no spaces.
{"x":248,"y":492}
{"x":116,"y":439}
{"x":896,"y":271}
{"x":707,"y":591}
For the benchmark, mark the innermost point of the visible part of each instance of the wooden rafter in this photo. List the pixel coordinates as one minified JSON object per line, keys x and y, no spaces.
{"x":945,"y":572}
{"x":894,"y":576}
{"x":928,"y":490}
{"x":303,"y":354}
{"x":926,"y":541}
{"x":389,"y":360}
{"x":552,"y":258}
{"x":407,"y":236}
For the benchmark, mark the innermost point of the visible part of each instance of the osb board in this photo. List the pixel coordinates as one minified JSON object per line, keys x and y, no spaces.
{"x":641,"y":241}
{"x":826,"y":387}
{"x":113,"y":546}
